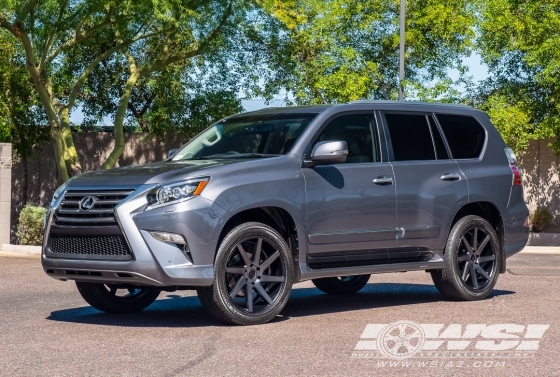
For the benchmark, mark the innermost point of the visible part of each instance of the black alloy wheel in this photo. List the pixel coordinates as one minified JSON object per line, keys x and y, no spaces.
{"x":253,"y":276}
{"x":472,"y":261}
{"x":115,"y":298}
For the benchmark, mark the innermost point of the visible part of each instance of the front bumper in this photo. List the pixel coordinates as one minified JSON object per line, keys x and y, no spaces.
{"x":154,"y":263}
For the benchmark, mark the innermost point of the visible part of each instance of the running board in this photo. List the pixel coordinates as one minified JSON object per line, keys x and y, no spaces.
{"x":436,"y":263}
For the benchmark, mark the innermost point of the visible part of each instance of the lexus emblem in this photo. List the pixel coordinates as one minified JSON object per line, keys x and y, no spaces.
{"x":87,"y":203}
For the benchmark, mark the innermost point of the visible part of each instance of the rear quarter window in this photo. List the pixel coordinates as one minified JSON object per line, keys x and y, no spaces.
{"x":465,"y":136}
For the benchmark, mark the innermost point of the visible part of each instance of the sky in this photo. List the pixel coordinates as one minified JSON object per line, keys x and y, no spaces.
{"x":477,"y":70}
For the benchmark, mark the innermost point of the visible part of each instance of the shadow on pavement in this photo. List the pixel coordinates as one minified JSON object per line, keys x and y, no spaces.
{"x":172,"y":310}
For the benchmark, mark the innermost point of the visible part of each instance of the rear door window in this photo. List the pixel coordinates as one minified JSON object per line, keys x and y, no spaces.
{"x":465,"y":136}
{"x":410,"y":137}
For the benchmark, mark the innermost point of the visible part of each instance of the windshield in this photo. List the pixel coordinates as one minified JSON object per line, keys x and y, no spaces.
{"x":247,"y":137}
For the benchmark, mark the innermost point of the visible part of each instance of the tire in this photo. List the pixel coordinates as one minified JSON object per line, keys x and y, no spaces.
{"x":472,"y":261}
{"x":106,"y":297}
{"x":253,"y":274}
{"x":343,"y":285}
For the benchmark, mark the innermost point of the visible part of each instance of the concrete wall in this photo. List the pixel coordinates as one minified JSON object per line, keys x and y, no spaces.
{"x":5,"y":191}
{"x":541,"y":167}
{"x":93,"y":148}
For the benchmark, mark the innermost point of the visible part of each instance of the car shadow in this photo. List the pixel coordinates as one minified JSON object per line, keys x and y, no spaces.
{"x":172,"y":310}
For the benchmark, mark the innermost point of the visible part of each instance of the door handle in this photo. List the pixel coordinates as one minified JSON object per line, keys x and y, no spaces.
{"x":450,"y":177}
{"x":383,"y":180}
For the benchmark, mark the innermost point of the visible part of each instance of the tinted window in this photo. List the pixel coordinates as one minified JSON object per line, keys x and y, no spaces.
{"x":357,"y":131}
{"x":441,"y":151}
{"x":465,"y":136}
{"x":411,"y":137}
{"x":244,"y":136}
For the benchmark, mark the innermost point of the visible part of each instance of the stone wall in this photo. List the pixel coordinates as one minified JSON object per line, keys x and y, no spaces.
{"x":540,"y":167}
{"x":5,"y":191}
{"x":93,"y":148}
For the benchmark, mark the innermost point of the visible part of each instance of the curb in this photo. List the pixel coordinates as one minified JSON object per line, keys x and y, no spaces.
{"x":20,"y":251}
{"x":541,"y":250}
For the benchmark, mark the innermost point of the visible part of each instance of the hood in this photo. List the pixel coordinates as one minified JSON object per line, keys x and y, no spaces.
{"x":135,"y":175}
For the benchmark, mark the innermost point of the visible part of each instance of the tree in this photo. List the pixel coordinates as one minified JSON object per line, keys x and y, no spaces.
{"x":344,"y":50}
{"x":21,"y":121}
{"x":150,"y":35}
{"x":182,"y":99}
{"x":519,"y":42}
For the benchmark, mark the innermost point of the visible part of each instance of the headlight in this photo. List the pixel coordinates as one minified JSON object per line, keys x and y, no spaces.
{"x":176,"y":192}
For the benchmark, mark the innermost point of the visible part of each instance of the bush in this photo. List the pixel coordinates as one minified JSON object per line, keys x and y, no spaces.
{"x":31,"y":225}
{"x":540,"y":220}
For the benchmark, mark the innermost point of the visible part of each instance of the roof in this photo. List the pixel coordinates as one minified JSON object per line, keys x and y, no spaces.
{"x":316,"y":109}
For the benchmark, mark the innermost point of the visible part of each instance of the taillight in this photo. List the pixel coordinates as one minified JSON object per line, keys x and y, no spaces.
{"x":516,"y":174}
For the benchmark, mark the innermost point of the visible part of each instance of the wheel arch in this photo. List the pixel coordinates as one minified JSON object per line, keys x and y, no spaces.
{"x":276,"y":217}
{"x":489,"y":212}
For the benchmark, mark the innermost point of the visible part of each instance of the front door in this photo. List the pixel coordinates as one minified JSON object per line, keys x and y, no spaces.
{"x":429,"y":185}
{"x":351,"y":205}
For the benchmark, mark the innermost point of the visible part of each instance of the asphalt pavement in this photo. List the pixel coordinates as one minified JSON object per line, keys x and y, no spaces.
{"x":46,"y":329}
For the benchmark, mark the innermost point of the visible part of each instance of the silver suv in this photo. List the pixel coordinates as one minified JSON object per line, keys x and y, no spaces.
{"x":262,"y":200}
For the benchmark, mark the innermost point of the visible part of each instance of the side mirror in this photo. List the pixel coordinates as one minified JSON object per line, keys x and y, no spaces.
{"x":329,"y":152}
{"x":172,"y":152}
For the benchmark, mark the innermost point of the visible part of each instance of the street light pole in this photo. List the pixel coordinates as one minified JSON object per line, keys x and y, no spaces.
{"x":401,"y":51}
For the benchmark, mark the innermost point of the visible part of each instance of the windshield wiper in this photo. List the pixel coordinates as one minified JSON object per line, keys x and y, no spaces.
{"x":237,"y":155}
{"x":253,"y":155}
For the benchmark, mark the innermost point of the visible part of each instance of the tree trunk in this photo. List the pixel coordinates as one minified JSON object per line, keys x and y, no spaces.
{"x":58,"y":142}
{"x":118,"y":131}
{"x":71,"y":157}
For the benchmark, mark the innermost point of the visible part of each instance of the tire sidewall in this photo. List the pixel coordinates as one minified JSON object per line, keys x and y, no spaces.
{"x":221,"y":295}
{"x":458,"y":231}
{"x":98,"y":297}
{"x":335,"y":286}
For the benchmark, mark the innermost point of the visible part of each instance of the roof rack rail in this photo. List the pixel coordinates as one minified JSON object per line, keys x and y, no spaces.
{"x":382,"y":102}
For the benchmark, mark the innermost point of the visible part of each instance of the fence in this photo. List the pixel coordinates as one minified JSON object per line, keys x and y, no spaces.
{"x":540,"y":167}
{"x":93,"y":148}
{"x":539,"y":164}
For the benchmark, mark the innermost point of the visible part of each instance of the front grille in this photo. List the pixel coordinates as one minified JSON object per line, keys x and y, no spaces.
{"x":101,"y":213}
{"x":89,"y":247}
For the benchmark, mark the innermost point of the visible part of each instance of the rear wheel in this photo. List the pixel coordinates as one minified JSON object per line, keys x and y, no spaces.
{"x":342,"y":285}
{"x":472,"y":259}
{"x":252,"y":276}
{"x":112,"y":298}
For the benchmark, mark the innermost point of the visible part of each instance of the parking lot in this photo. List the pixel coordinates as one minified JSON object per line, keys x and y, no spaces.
{"x":47,"y":329}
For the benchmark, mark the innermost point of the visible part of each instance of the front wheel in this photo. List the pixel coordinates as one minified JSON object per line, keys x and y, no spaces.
{"x":343,"y":285}
{"x":112,"y":298}
{"x":252,"y":276}
{"x":472,"y":261}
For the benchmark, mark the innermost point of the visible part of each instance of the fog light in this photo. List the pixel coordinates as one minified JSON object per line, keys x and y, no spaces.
{"x":169,"y":237}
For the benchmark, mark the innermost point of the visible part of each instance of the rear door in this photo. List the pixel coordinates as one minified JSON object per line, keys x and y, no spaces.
{"x":351,"y":205}
{"x":429,"y":185}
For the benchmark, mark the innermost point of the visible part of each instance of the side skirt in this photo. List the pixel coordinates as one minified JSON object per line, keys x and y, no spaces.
{"x":435,"y":263}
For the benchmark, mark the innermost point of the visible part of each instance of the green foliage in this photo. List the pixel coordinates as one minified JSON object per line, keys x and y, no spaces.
{"x":22,"y":122}
{"x":31,"y":225}
{"x":519,"y":41}
{"x":64,"y":42}
{"x":540,"y":220}
{"x":344,"y":50}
